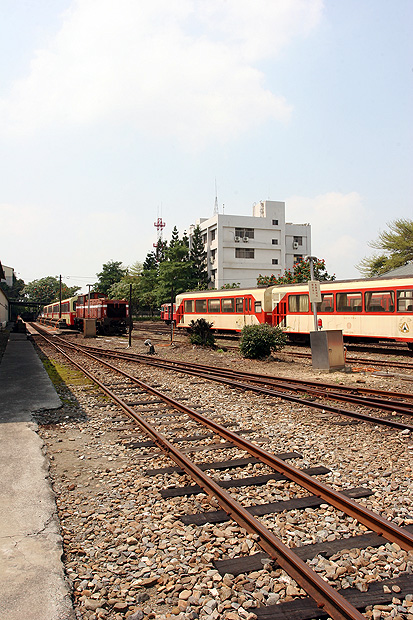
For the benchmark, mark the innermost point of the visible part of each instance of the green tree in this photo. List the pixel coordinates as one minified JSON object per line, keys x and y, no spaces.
{"x":198,"y":258}
{"x":15,"y":291}
{"x":46,"y":290}
{"x":396,"y":245}
{"x":300,"y":273}
{"x":112,"y":272}
{"x":121,"y":290}
{"x":175,"y":272}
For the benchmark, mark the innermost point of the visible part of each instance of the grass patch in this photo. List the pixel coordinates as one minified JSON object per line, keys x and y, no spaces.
{"x":64,"y":375}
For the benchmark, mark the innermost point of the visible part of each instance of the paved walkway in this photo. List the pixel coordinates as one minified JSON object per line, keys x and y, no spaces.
{"x":32,"y":582}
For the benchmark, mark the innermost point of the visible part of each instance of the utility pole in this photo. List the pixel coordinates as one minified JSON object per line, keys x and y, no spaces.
{"x":130,"y":316}
{"x":60,"y":297}
{"x":88,"y":301}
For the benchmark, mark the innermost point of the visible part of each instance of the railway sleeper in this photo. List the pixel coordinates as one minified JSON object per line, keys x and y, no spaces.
{"x":306,"y":608}
{"x":247,"y":564}
{"x":231,"y":464}
{"x":238,"y":482}
{"x":297,"y":503}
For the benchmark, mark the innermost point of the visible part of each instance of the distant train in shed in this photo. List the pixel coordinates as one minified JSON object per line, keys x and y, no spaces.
{"x":370,"y":309}
{"x":111,"y":314}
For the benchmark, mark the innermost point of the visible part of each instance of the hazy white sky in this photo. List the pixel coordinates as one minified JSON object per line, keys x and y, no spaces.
{"x":115,"y":113}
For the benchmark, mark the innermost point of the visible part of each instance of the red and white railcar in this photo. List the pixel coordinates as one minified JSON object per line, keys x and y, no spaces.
{"x":375,"y":309}
{"x":65,"y":313}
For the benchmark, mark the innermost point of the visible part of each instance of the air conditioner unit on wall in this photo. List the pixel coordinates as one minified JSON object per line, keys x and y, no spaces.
{"x":295,"y":245}
{"x":245,"y":239}
{"x":236,"y":239}
{"x":211,"y":259}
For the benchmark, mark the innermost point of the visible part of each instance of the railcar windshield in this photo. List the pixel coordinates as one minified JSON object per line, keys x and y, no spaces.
{"x":379,"y":301}
{"x":116,"y":311}
{"x":405,"y":301}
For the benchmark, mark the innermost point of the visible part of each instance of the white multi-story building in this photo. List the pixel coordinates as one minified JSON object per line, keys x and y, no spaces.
{"x":241,"y":247}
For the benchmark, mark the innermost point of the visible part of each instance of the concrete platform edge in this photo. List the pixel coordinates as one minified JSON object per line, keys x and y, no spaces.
{"x":33,"y":582}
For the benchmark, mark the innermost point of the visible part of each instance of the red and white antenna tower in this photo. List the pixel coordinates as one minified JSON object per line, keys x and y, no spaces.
{"x":159,"y":225}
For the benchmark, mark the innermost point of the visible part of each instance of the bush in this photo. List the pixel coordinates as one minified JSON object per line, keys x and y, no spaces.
{"x":258,"y":341}
{"x":200,"y":333}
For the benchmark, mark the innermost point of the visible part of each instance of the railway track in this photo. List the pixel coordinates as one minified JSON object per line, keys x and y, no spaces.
{"x":310,"y":393}
{"x":159,"y":412}
{"x":161,"y":332}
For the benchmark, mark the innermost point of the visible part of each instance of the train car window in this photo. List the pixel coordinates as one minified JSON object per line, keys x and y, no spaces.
{"x":56,"y":308}
{"x":405,"y":301}
{"x":349,"y":302}
{"x":327,"y":303}
{"x":188,"y":305}
{"x":257,"y":306}
{"x":214,"y":305}
{"x":298,"y":303}
{"x":379,"y":301}
{"x":200,"y":305}
{"x":228,"y":305}
{"x":249,"y":304}
{"x":239,"y":305}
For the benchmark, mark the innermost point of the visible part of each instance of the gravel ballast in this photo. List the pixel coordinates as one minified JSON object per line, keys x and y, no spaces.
{"x":127,"y":553}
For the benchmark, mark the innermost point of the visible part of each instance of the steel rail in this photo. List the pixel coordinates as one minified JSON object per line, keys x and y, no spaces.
{"x":322,"y":593}
{"x":216,"y":375}
{"x":299,"y":384}
{"x":304,"y":384}
{"x":370,"y":519}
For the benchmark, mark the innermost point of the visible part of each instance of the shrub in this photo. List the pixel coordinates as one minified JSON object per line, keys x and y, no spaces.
{"x":258,"y":341}
{"x":200,"y":333}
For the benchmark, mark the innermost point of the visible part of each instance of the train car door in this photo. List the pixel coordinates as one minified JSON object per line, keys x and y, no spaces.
{"x":279,"y":313}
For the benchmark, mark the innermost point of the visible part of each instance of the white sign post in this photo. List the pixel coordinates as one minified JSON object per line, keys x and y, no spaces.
{"x":314,"y":290}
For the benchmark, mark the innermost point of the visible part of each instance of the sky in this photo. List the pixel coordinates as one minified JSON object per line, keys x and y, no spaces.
{"x":113,"y":114}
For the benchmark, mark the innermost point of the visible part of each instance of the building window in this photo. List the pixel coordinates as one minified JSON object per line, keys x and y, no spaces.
{"x":213,"y":234}
{"x":244,"y":233}
{"x":244,"y":253}
{"x":275,"y":261}
{"x":275,"y":222}
{"x":298,"y":240}
{"x":204,"y":239}
{"x":298,"y":258}
{"x":275,"y":241}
